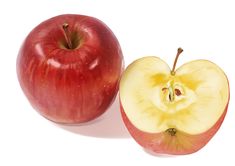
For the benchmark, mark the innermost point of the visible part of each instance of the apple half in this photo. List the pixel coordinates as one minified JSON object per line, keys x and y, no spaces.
{"x":173,"y":111}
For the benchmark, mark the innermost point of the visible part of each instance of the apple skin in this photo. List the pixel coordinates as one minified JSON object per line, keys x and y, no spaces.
{"x":163,"y":143}
{"x":70,"y":85}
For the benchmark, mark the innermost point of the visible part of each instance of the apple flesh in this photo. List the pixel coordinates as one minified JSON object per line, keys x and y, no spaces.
{"x":173,"y":112}
{"x":69,"y":68}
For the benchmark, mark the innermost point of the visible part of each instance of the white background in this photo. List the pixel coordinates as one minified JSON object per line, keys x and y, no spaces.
{"x":204,"y":29}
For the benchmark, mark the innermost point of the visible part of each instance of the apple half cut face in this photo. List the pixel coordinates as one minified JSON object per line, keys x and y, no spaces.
{"x":173,"y":112}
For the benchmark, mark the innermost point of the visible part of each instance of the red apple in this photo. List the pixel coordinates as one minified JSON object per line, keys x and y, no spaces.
{"x":69,"y":68}
{"x":173,"y":111}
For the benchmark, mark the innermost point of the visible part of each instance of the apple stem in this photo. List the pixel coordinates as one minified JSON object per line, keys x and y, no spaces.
{"x":67,"y":35}
{"x":179,"y":51}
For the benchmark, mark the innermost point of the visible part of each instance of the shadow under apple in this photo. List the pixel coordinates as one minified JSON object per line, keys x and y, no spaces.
{"x":154,"y":154}
{"x":108,"y":125}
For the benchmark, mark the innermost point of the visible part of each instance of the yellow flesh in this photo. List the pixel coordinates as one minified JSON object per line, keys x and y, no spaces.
{"x":145,"y":88}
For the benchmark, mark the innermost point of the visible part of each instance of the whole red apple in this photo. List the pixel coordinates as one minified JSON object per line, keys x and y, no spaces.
{"x":69,"y":68}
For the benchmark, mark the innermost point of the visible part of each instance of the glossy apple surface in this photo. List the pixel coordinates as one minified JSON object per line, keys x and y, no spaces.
{"x":173,"y":111}
{"x":69,"y":68}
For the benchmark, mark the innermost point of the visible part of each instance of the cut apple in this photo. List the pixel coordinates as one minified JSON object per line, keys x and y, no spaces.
{"x":173,"y":111}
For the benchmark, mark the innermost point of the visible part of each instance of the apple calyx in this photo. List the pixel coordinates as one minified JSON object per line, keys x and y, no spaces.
{"x":171,"y":131}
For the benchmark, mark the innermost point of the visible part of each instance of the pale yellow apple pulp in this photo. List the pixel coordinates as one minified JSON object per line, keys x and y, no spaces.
{"x":191,"y":100}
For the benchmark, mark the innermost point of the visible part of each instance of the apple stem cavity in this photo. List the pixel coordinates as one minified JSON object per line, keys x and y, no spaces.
{"x":67,"y":35}
{"x":179,"y":51}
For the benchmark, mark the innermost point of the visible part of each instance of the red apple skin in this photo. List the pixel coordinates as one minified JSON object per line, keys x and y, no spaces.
{"x":179,"y":144}
{"x":70,"y":85}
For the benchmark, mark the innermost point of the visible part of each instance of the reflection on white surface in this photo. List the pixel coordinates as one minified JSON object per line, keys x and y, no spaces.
{"x":108,"y":125}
